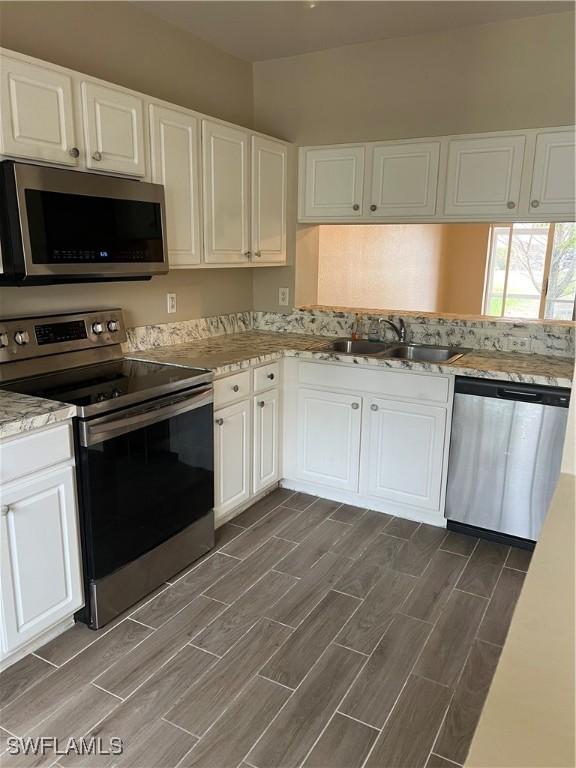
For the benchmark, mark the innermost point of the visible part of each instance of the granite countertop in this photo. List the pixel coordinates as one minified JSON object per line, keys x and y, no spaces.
{"x":22,"y":413}
{"x":232,"y":352}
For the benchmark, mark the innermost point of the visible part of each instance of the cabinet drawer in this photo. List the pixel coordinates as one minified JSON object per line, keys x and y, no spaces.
{"x":231,"y":388}
{"x":266,"y":376}
{"x":34,"y":451}
{"x":402,"y":384}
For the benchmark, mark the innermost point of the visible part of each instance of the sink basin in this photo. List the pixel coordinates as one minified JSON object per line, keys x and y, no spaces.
{"x":359,"y":347}
{"x":424,"y":353}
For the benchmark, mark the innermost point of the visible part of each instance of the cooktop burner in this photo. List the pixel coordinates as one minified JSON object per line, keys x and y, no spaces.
{"x":106,"y":386}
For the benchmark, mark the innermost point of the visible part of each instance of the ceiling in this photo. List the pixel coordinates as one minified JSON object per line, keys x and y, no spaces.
{"x":270,"y":29}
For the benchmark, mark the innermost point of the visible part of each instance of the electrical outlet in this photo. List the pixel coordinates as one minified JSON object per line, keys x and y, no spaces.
{"x":283,"y":296}
{"x":171,"y":303}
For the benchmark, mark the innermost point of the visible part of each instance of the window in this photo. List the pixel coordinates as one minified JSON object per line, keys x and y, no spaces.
{"x":531,"y":271}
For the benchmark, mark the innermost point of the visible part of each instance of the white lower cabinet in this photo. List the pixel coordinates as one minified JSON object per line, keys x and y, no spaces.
{"x":403,"y":452}
{"x":40,"y":555}
{"x":329,"y":426}
{"x":232,"y":457}
{"x":266,"y":439}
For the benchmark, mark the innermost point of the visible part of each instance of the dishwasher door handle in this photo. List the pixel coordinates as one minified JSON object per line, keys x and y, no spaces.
{"x":524,"y":396}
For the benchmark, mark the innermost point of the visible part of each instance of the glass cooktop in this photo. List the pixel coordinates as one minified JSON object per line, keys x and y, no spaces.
{"x":111,"y":385}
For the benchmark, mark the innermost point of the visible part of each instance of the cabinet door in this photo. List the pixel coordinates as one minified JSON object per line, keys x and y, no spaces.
{"x":329,"y":438}
{"x":226,"y":194}
{"x":553,"y":176}
{"x":266,"y":439}
{"x":37,"y":113}
{"x":403,"y":454}
{"x":484,"y":175}
{"x":333,"y":181}
{"x":404,"y":179}
{"x":269,"y":160}
{"x":40,"y":565}
{"x":174,"y":139}
{"x":114,"y":130}
{"x":232,"y":457}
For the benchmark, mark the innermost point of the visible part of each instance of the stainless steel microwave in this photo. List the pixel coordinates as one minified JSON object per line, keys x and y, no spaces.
{"x":69,"y":226}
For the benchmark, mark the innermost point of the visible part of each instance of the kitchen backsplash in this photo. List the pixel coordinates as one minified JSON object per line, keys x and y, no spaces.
{"x":512,"y":336}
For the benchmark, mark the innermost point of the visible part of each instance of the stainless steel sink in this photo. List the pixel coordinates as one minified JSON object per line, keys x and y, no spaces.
{"x":424,"y":353}
{"x":359,"y":346}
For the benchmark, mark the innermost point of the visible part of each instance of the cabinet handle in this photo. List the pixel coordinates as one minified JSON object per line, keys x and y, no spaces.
{"x":355,"y":406}
{"x":373,"y":407}
{"x":235,"y":388}
{"x":74,"y":152}
{"x":247,"y":254}
{"x":271,"y":376}
{"x":535,"y":203}
{"x":219,"y":422}
{"x":511,"y":204}
{"x":258,"y":254}
{"x":373,"y":207}
{"x":5,"y":509}
{"x":355,"y":207}
{"x":261,"y":403}
{"x":97,"y":155}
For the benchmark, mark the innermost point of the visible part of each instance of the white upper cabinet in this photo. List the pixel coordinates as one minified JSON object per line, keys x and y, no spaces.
{"x":404,"y":179}
{"x":226,"y":194}
{"x":175,"y":155}
{"x":483,"y":176}
{"x":37,"y":111}
{"x":269,"y":167}
{"x":333,"y":179}
{"x":553,"y":179}
{"x":114,"y":130}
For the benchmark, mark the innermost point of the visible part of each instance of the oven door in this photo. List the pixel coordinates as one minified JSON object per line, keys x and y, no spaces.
{"x":145,"y":475}
{"x":73,"y":226}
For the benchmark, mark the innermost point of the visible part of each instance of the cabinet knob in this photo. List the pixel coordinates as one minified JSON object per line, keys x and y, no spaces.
{"x":258,"y":254}
{"x":247,"y":254}
{"x":271,"y":376}
{"x":261,"y":403}
{"x":511,"y":204}
{"x":235,"y":388}
{"x":535,"y":203}
{"x":74,"y":152}
{"x":355,"y":406}
{"x":4,"y":509}
{"x":373,"y":207}
{"x":355,"y":207}
{"x":219,"y":422}
{"x":373,"y":407}
{"x":97,"y":155}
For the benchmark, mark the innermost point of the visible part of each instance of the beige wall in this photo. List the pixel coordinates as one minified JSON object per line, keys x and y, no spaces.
{"x":464,"y":250}
{"x":123,"y":44}
{"x":416,"y":267}
{"x":383,"y":266}
{"x":513,"y":74}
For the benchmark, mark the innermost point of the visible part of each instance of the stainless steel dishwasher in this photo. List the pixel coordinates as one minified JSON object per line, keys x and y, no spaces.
{"x":505,"y":456}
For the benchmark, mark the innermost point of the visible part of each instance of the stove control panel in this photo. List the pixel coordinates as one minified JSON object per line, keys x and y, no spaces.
{"x":33,"y":337}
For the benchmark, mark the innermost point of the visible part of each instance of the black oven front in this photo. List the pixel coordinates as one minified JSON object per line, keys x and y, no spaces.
{"x":146,"y":486}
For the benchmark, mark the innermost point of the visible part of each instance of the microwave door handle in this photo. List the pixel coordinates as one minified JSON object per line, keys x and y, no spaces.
{"x":100,"y":430}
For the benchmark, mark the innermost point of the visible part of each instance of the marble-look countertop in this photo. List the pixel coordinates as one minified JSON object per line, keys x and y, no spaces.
{"x":233,"y":352}
{"x":22,"y":413}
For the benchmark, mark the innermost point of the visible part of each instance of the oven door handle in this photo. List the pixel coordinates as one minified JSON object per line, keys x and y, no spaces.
{"x":114,"y":425}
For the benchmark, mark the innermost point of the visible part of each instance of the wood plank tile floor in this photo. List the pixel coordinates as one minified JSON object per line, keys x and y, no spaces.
{"x":315,"y":634}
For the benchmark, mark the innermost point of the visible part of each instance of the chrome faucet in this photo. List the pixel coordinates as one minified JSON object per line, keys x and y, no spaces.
{"x":399,"y":330}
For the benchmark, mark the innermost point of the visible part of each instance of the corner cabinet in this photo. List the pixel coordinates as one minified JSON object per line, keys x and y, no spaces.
{"x":268,"y":200}
{"x":505,"y":176}
{"x":41,"y":575}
